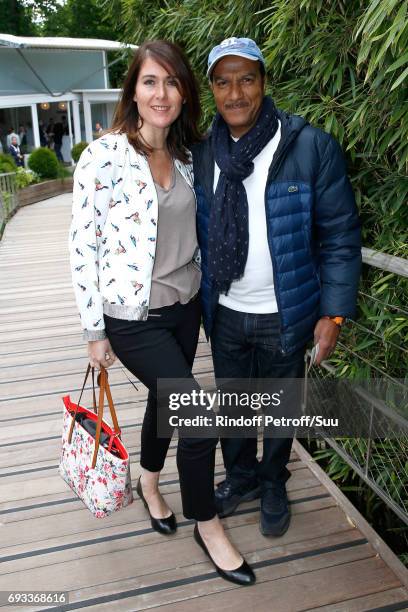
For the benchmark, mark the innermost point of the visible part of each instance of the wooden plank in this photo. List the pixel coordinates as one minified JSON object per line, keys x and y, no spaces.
{"x":60,"y":360}
{"x":27,"y":528}
{"x":354,"y":516}
{"x":69,"y":383}
{"x":60,"y":503}
{"x":35,"y":466}
{"x":242,"y":528}
{"x":44,"y":368}
{"x":174,"y":585}
{"x":50,"y":345}
{"x":23,"y":318}
{"x":21,"y":299}
{"x":44,"y":466}
{"x":52,"y":407}
{"x":49,"y":401}
{"x":32,"y":451}
{"x":149,"y":552}
{"x":67,"y":319}
{"x":370,"y":602}
{"x":27,"y":310}
{"x":308,"y":590}
{"x":19,"y":279}
{"x":34,"y":334}
{"x":12,"y":490}
{"x":44,"y":290}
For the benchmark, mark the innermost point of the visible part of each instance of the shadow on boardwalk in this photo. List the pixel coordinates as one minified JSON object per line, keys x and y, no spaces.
{"x":50,"y":541}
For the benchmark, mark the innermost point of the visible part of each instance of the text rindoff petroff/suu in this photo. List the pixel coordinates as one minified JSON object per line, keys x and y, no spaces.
{"x":218,"y":420}
{"x":255,"y":401}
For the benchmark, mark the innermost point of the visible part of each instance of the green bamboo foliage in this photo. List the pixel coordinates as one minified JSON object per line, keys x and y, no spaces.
{"x":343,"y":65}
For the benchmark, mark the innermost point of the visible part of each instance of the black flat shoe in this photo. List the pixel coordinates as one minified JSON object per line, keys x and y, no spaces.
{"x":243,"y":574}
{"x":166,"y":526}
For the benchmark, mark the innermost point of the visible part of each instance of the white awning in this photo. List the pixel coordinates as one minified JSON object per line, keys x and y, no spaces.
{"x":39,"y":42}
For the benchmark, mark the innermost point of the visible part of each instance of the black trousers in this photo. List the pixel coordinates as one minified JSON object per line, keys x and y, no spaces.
{"x":162,"y":347}
{"x":247,"y":346}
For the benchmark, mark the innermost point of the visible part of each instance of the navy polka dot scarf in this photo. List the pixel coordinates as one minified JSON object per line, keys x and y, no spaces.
{"x":228,"y":229}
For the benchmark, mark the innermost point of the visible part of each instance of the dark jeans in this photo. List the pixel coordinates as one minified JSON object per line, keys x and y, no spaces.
{"x":164,"y":346}
{"x":57,"y":151}
{"x":248,"y":346}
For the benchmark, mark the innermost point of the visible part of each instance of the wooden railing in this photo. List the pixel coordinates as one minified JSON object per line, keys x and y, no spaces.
{"x":385,"y":262}
{"x":380,"y":455}
{"x":8,"y":198}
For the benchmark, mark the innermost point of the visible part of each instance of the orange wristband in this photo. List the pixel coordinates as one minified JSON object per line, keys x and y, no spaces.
{"x":336,"y":320}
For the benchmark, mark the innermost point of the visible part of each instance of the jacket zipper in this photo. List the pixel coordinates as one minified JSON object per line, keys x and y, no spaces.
{"x":272,"y":172}
{"x":153,"y":190}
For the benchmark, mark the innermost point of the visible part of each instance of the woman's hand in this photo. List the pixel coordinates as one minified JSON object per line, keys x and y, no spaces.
{"x":100,"y":353}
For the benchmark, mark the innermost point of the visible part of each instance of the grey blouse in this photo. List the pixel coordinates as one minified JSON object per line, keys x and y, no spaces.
{"x":175,"y":278}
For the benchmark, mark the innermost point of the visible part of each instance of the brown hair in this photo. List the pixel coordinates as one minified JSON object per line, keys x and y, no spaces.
{"x":184,"y":131}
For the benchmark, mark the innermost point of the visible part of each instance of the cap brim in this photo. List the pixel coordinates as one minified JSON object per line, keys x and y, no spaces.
{"x":239,"y":53}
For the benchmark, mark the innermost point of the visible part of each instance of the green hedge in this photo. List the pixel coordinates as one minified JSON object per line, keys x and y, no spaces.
{"x":7,"y":163}
{"x":44,"y":162}
{"x":77,"y":150}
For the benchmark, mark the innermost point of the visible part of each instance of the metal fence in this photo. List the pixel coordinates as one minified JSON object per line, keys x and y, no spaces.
{"x":8,"y":197}
{"x":378,"y":405}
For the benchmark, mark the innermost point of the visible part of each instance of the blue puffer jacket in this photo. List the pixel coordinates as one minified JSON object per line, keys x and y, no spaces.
{"x":313,"y":230}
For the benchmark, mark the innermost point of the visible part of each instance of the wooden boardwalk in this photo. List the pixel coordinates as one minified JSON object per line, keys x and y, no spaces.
{"x":329,"y":560}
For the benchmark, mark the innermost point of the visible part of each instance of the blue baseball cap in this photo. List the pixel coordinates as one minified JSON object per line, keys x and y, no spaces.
{"x":243,"y":47}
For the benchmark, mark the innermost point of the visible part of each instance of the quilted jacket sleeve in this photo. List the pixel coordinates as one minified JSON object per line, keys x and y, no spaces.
{"x":92,"y":193}
{"x":338,"y":234}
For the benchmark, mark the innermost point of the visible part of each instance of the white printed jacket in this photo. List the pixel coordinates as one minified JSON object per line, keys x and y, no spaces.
{"x":113,"y":233}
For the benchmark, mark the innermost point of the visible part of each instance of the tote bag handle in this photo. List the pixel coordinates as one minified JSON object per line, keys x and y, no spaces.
{"x":89,"y":369}
{"x":104,"y":388}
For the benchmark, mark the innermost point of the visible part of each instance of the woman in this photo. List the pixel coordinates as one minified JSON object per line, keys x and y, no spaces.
{"x":133,"y":249}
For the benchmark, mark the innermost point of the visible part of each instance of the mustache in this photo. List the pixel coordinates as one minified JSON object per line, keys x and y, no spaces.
{"x":234,"y":105}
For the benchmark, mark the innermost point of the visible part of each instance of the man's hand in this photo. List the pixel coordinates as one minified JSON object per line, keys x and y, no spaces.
{"x":326,"y":333}
{"x":100,"y":353}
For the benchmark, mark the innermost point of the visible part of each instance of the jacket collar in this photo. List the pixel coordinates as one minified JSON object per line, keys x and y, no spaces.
{"x":186,"y":170}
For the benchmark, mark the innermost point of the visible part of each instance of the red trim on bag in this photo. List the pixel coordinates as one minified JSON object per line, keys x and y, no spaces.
{"x":114,"y":435}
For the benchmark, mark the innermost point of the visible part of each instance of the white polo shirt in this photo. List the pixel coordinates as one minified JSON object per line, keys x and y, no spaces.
{"x":254,"y":292}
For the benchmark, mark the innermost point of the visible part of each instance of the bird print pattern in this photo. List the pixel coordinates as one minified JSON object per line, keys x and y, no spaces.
{"x":113,"y":232}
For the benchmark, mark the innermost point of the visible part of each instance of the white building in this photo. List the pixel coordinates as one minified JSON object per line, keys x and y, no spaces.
{"x":48,"y":80}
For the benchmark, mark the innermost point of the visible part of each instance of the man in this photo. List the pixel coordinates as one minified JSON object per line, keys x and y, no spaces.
{"x":14,"y":150}
{"x":22,"y":136}
{"x":280,"y":245}
{"x":50,"y":131}
{"x":58,"y":134}
{"x":10,"y":135}
{"x":98,"y":130}
{"x":43,"y":134}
